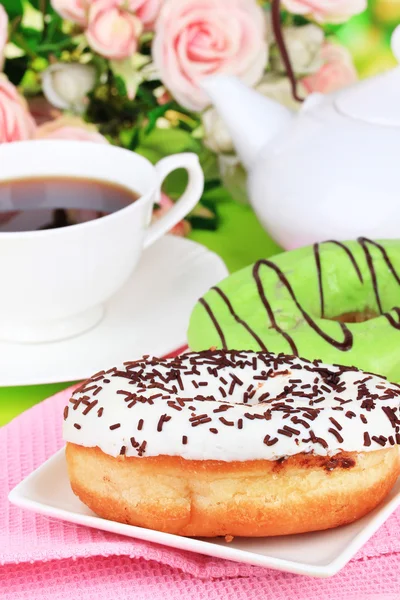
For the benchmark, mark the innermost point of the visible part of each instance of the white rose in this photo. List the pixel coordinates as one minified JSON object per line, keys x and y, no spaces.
{"x":66,"y":85}
{"x":304,"y":46}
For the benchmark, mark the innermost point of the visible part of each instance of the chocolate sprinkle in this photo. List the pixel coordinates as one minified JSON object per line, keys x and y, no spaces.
{"x":336,"y":434}
{"x":163,"y":419}
{"x":226,"y":422}
{"x":367,"y":439}
{"x":381,"y":440}
{"x":270,"y":442}
{"x":289,"y":431}
{"x":336,"y":424}
{"x":236,"y":378}
{"x":142,"y":448}
{"x":350,"y":414}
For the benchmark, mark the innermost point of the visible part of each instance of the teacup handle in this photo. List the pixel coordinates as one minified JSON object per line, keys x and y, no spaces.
{"x":186,"y":202}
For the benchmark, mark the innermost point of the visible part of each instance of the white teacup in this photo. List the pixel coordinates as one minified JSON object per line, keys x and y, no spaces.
{"x":54,"y":282}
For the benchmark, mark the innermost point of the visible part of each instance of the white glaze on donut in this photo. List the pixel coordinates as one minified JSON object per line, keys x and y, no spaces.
{"x":233,"y":406}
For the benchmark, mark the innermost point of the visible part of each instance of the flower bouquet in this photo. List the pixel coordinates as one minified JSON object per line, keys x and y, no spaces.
{"x":129,"y":72}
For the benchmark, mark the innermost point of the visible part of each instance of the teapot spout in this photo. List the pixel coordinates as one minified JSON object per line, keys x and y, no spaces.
{"x":252,"y":119}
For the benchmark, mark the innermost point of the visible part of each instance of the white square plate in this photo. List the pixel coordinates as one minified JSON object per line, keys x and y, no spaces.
{"x":321,"y":554}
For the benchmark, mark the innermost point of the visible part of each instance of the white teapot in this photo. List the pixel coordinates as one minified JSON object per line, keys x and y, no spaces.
{"x":331,"y":171}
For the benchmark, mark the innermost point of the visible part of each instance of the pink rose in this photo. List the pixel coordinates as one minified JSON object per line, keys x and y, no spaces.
{"x":326,"y":11}
{"x":72,"y":10}
{"x":146,"y":10}
{"x":196,"y":38}
{"x":3,"y":33}
{"x":15,"y":121}
{"x":112,"y":30}
{"x":337,"y":71}
{"x":70,"y":128}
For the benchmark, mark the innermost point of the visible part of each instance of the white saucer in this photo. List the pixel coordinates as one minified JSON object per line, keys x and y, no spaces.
{"x":148,"y":316}
{"x":321,"y":554}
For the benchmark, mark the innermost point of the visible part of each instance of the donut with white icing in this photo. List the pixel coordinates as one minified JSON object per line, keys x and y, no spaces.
{"x":233,"y":443}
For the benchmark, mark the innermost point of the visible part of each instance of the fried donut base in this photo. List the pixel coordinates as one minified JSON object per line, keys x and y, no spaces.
{"x":216,"y":498}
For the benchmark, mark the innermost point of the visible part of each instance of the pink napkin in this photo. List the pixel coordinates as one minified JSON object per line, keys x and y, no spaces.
{"x":71,"y":560}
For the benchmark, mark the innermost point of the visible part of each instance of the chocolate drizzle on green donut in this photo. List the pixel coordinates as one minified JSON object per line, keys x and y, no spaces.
{"x":351,"y":257}
{"x":267,"y":305}
{"x":238,"y":319}
{"x":215,"y":322}
{"x":344,"y":345}
{"x":319,"y":275}
{"x":319,"y":269}
{"x":391,"y":319}
{"x":363,"y":242}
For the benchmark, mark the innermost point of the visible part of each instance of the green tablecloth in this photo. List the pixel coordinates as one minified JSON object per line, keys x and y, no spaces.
{"x":240,"y":240}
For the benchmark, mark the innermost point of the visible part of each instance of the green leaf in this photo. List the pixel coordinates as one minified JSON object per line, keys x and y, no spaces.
{"x":120,"y":85}
{"x":129,"y":137}
{"x":155,"y":114}
{"x":169,"y":141}
{"x":216,"y":195}
{"x":66,"y":42}
{"x":13,"y":8}
{"x":211,"y":184}
{"x":53,"y":30}
{"x":152,"y":155}
{"x":26,"y":44}
{"x":126,"y":137}
{"x":203,"y":218}
{"x":146,"y":95}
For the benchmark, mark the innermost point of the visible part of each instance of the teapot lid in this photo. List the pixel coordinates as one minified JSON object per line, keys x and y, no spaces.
{"x":377,"y":99}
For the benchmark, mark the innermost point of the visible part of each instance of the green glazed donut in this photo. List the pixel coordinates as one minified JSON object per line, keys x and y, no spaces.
{"x":336,"y":301}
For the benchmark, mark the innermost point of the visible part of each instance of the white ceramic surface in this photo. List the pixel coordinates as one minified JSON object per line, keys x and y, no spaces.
{"x":319,"y":554}
{"x":55,"y":283}
{"x":328,"y":172}
{"x":149,"y":315}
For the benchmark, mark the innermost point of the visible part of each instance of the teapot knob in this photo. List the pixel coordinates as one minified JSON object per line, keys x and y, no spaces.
{"x":395,"y":43}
